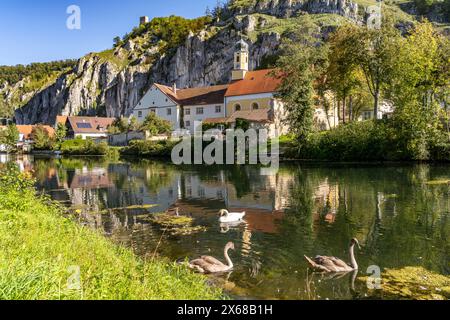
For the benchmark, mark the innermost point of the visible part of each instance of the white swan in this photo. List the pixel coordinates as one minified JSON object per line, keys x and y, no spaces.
{"x":227,"y":217}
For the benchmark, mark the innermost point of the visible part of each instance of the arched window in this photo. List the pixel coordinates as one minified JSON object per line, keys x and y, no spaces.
{"x":237,"y":107}
{"x":255,"y":106}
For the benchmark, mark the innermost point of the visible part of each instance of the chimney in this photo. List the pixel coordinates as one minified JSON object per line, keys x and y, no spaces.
{"x":174,"y":88}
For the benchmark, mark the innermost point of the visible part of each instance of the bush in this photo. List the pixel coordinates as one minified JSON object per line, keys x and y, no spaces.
{"x":42,"y":139}
{"x":149,"y":148}
{"x":357,"y":141}
{"x":84,"y":147}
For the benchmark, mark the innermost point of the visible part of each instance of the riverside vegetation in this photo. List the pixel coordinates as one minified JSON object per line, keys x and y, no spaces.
{"x":42,"y":248}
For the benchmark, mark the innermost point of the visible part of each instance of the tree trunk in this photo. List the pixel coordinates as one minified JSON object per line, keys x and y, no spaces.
{"x":339,"y":111}
{"x":376,"y":102}
{"x":351,"y":109}
{"x":343,"y":107}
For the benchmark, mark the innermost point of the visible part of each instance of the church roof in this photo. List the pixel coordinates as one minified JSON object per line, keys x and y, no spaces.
{"x":196,"y":96}
{"x":255,"y":82}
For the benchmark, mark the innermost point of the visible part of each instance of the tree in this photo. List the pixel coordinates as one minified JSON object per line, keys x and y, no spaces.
{"x":156,"y":125}
{"x":423,"y":6}
{"x":42,"y":139}
{"x":123,"y":125}
{"x":420,"y":87}
{"x":60,"y":134}
{"x":117,"y":41}
{"x":343,"y":75}
{"x":372,"y":52}
{"x":303,"y":59}
{"x":10,"y":137}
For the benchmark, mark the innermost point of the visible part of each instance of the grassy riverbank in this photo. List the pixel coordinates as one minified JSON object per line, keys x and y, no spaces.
{"x":42,"y":251}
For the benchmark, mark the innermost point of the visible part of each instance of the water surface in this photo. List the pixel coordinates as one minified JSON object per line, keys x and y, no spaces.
{"x":400,"y":214}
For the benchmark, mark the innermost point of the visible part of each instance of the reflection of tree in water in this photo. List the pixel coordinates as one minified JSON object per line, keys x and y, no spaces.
{"x":239,"y":176}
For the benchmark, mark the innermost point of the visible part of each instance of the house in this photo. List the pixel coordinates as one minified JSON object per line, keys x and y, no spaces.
{"x":25,"y":132}
{"x":182,"y":107}
{"x":250,"y":96}
{"x":385,"y":110}
{"x":87,"y":127}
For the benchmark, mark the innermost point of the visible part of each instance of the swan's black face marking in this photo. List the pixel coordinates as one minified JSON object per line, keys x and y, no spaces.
{"x":230,"y":245}
{"x":355,"y":242}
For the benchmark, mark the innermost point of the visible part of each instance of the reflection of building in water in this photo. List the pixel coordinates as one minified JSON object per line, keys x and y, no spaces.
{"x":326,"y":202}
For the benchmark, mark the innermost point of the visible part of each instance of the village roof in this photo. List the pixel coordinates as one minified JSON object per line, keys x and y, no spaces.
{"x":260,"y":115}
{"x":90,"y":125}
{"x":27,"y":130}
{"x":61,"y":119}
{"x":254,"y":82}
{"x":196,"y":96}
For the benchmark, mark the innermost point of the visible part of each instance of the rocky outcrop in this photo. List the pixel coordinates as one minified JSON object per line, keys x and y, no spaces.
{"x":112,"y":85}
{"x":289,"y":8}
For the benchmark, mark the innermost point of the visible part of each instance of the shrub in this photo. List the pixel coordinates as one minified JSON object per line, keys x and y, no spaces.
{"x":357,"y":141}
{"x":149,"y":148}
{"x":84,"y":147}
{"x":42,"y":139}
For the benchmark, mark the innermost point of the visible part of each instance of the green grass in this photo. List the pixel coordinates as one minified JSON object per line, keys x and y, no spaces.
{"x":42,"y":251}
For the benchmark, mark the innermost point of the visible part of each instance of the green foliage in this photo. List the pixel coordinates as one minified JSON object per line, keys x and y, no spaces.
{"x":123,"y":125}
{"x":357,"y":141}
{"x":170,"y":32}
{"x":424,"y":6}
{"x":158,"y":149}
{"x":156,"y":125}
{"x":42,"y":139}
{"x":9,"y":137}
{"x":84,"y":147}
{"x":366,"y":141}
{"x":303,"y":58}
{"x":242,"y":124}
{"x":36,"y":71}
{"x":42,"y":252}
{"x":60,"y":134}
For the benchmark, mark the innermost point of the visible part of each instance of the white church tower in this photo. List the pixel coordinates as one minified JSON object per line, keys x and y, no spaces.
{"x":241,"y":56}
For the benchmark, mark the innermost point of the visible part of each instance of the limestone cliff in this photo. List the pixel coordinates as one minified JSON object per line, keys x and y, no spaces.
{"x":111,"y":83}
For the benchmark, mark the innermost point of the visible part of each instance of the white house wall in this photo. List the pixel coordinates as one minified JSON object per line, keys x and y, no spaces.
{"x":209,"y":111}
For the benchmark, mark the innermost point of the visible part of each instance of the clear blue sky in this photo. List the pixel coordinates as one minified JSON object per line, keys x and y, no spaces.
{"x":35,"y":30}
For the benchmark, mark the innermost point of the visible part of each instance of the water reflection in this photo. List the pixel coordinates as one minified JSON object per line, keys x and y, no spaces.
{"x":399,"y":217}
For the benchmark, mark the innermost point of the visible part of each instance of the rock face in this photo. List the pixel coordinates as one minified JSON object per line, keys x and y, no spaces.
{"x":103,"y":87}
{"x":288,"y":8}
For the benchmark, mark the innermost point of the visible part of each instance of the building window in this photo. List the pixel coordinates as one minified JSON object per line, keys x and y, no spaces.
{"x":255,"y":106}
{"x":200,"y":110}
{"x":140,"y":114}
{"x":218,"y":109}
{"x":367,"y":115}
{"x":153,"y":110}
{"x":187,"y":124}
{"x":169,"y":111}
{"x":237,"y":107}
{"x":187,"y":111}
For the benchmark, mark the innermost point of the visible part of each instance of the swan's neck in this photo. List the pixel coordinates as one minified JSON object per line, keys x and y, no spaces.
{"x":353,"y":262}
{"x":227,"y":258}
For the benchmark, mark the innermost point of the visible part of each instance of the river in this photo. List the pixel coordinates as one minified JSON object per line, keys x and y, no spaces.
{"x":399,"y":213}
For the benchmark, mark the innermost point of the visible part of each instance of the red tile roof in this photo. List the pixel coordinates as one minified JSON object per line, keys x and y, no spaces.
{"x":196,"y":96}
{"x":27,"y":130}
{"x":255,"y":82}
{"x":61,"y":119}
{"x":90,"y":125}
{"x":260,"y":115}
